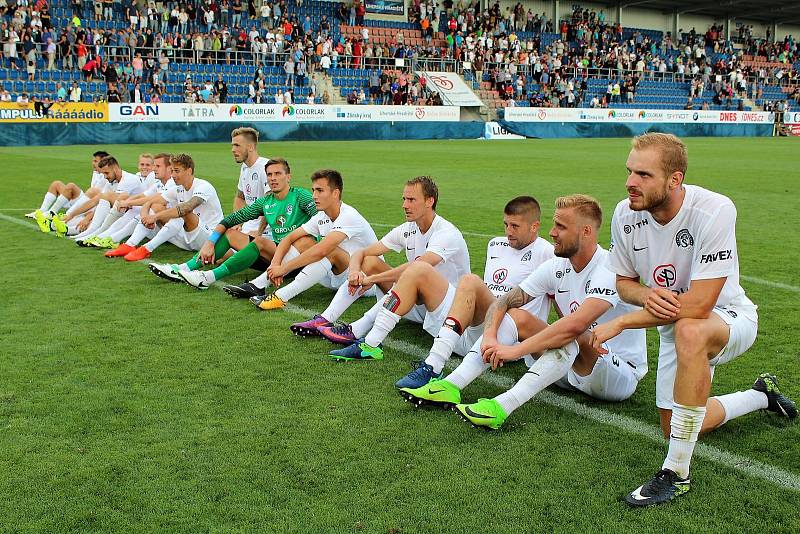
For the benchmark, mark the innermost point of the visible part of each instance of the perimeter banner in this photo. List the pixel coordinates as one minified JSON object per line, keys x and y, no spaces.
{"x":636,"y":115}
{"x":278,"y":113}
{"x":385,"y":7}
{"x":58,"y":112}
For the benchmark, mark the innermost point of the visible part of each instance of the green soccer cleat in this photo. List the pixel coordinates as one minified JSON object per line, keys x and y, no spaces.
{"x":42,"y":221}
{"x":93,"y":242}
{"x":105,"y":242}
{"x":437,"y":392}
{"x":59,"y":226}
{"x":357,"y":352}
{"x":486,"y":413}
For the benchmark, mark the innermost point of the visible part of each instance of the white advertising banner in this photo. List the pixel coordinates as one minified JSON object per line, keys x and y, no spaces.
{"x":495,"y":131}
{"x":451,"y":87}
{"x":277,"y":113}
{"x":791,"y":117}
{"x":635,"y":115}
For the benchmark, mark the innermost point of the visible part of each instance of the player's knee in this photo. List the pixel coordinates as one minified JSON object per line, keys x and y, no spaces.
{"x":56,"y":186}
{"x":418,"y":269}
{"x":690,"y":333}
{"x":469,"y":282}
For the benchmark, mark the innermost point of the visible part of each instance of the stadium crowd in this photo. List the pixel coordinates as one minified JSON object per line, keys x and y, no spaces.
{"x":523,"y":54}
{"x":673,"y":265}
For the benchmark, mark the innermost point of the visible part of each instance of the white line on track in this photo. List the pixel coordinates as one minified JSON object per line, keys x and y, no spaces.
{"x":742,"y":464}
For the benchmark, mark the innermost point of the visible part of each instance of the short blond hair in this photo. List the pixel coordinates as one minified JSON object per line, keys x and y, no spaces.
{"x":146,"y":155}
{"x":672,"y":150}
{"x":251,"y":134}
{"x":585,"y":205}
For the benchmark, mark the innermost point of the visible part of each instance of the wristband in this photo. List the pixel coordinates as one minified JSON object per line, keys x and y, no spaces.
{"x":214,"y":237}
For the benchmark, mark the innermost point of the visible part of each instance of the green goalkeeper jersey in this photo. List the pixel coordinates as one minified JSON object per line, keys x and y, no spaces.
{"x":282,"y":216}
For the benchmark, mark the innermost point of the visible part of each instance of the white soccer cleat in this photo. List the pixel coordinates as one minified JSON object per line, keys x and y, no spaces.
{"x":196,"y":279}
{"x":166,"y":271}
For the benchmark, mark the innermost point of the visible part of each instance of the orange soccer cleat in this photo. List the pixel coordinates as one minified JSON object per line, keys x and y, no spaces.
{"x":138,"y":254}
{"x":120,"y":251}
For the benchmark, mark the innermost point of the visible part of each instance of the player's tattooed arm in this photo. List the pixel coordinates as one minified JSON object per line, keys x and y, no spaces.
{"x":516,"y":298}
{"x":187,"y":207}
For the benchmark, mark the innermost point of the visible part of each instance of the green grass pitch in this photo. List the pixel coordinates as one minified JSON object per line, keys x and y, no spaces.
{"x":130,"y":404}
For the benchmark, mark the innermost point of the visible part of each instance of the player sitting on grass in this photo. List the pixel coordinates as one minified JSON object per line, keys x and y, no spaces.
{"x":675,"y":255}
{"x":583,"y":288}
{"x":194,"y":207}
{"x":285,"y":208}
{"x":509,"y":260}
{"x":60,"y":195}
{"x":341,"y":230}
{"x":122,"y":185}
{"x":99,"y":238}
{"x":426,"y":238}
{"x":132,"y":209}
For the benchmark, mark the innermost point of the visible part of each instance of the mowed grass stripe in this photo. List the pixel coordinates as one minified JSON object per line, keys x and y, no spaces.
{"x":742,"y":464}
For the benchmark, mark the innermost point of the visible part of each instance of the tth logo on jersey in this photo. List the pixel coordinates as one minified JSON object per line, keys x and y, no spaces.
{"x":665,"y":275}
{"x":684,"y":239}
{"x":500,"y":275}
{"x":628,"y":228}
{"x":573,"y":306}
{"x":527,"y":256}
{"x":407,"y":234}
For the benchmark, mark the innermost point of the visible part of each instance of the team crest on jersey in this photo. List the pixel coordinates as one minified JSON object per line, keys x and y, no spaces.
{"x":289,"y":209}
{"x":527,"y":256}
{"x":247,"y":189}
{"x":573,"y":306}
{"x":255,"y":177}
{"x":684,"y":239}
{"x":665,"y":275}
{"x":559,"y":274}
{"x":281,"y":220}
{"x":500,"y":275}
{"x":588,"y":284}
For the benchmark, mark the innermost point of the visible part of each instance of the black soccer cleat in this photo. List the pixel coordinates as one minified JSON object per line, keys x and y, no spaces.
{"x":663,"y":487}
{"x":778,"y":402}
{"x":244,"y":291}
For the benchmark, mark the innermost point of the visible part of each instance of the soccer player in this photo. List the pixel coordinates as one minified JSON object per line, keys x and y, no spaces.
{"x":187,"y":223}
{"x":148,"y":178}
{"x":509,"y":260}
{"x":341,"y":231}
{"x":426,"y":237}
{"x":130,"y":223}
{"x":122,"y":185}
{"x":675,"y":255}
{"x":285,"y":208}
{"x":60,"y":195}
{"x":584,"y":292}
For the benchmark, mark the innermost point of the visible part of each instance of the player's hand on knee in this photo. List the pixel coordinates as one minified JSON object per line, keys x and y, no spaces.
{"x":489,"y":342}
{"x":662,"y":303}
{"x":602,"y":333}
{"x":499,"y":354}
{"x":207,"y":253}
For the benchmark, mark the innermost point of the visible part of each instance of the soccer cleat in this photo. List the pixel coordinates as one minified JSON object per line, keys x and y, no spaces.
{"x":31,"y":215}
{"x":138,"y":254}
{"x":437,"y":392}
{"x":106,"y":242}
{"x":196,"y":279}
{"x":60,"y":227}
{"x":778,"y":402}
{"x":166,"y":271}
{"x":310,"y":328}
{"x":94,"y":242}
{"x":120,"y":251}
{"x":357,"y":352}
{"x":663,"y":487}
{"x":421,"y":374}
{"x":341,"y":334}
{"x":486,"y":413}
{"x":83,"y":242}
{"x":244,"y":291}
{"x":42,"y":221}
{"x":268,"y":302}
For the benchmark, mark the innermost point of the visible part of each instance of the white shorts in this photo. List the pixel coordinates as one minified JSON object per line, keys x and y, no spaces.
{"x":432,"y":321}
{"x":251,"y":227}
{"x":334,"y":281}
{"x":193,"y":240}
{"x":743,"y":325}
{"x":612,"y":379}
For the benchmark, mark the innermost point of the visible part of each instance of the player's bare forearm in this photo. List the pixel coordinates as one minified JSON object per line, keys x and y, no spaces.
{"x":556,"y":335}
{"x":631,"y":291}
{"x":356,"y":259}
{"x":392,"y":275}
{"x":238,"y":201}
{"x":86,"y":206}
{"x":516,"y":298}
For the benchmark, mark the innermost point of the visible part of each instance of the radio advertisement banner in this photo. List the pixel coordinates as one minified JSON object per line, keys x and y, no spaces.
{"x":58,"y":112}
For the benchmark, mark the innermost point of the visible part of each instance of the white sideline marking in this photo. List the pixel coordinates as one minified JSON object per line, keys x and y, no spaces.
{"x":630,"y":425}
{"x":17,"y":209}
{"x":770,"y":283}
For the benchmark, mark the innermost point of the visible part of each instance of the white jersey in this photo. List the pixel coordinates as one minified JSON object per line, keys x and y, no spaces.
{"x":159,"y":187}
{"x":506,"y":267}
{"x":442,"y":238}
{"x":129,"y":183}
{"x":556,"y":277}
{"x":149,"y":181}
{"x":253,"y":180}
{"x":209,"y":212}
{"x":349,"y":222}
{"x":699,"y":243}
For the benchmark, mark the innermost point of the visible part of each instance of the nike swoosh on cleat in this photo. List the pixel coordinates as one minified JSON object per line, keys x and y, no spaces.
{"x":637,"y":494}
{"x":432,"y":392}
{"x":470,"y":413}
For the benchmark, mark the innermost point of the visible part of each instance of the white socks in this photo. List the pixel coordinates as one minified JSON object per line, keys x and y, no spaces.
{"x":472,"y":366}
{"x":741,"y":403}
{"x":167,"y":232}
{"x":60,"y":202}
{"x":341,"y":301}
{"x":100,"y":213}
{"x":262,"y":280}
{"x":77,"y":204}
{"x":551,"y":366}
{"x":308,"y":277}
{"x":363,"y":325}
{"x":110,"y":219}
{"x":442,"y":348}
{"x":685,"y":427}
{"x":384,"y":323}
{"x":49,"y":199}
{"x":139,"y":234}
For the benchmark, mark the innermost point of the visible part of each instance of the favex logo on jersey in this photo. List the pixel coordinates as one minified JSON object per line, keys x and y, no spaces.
{"x":500,"y":275}
{"x":665,"y":275}
{"x":602,"y":291}
{"x":716,"y":256}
